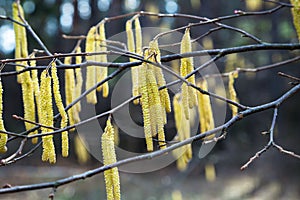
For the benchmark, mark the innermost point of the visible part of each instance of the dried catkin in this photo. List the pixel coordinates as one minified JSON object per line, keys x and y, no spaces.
{"x":296,"y":15}
{"x":78,"y":87}
{"x":205,"y":110}
{"x":189,"y":97}
{"x":91,"y":70}
{"x":61,"y":109}
{"x":3,"y":136}
{"x":232,"y":92}
{"x":46,"y":117}
{"x":111,"y":176}
{"x":69,"y":89}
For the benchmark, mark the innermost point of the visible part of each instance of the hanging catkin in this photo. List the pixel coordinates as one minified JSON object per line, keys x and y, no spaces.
{"x":46,"y":117}
{"x":143,"y":88}
{"x":232,"y":92}
{"x":78,"y":87}
{"x":103,"y":70}
{"x":205,"y":110}
{"x":20,"y":37}
{"x":36,"y":91}
{"x":189,"y":98}
{"x":61,"y":109}
{"x":80,"y":149}
{"x":164,"y":95}
{"x":91,"y":70}
{"x":111,"y":176}
{"x":296,"y":15}
{"x":134,"y":70}
{"x":69,"y":89}
{"x":3,"y":136}
{"x":23,"y":78}
{"x":138,"y":51}
{"x":184,"y":154}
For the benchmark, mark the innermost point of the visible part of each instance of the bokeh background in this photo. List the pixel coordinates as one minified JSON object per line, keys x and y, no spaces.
{"x":273,"y":176}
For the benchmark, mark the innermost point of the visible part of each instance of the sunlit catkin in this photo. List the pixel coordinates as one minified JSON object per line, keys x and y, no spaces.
{"x":205,"y":110}
{"x":232,"y":92}
{"x":111,"y":176}
{"x":3,"y":136}
{"x":78,"y":87}
{"x":296,"y":15}
{"x":189,"y":98}
{"x":91,"y":70}
{"x":46,"y":117}
{"x":20,"y":37}
{"x":134,"y":70}
{"x":61,"y":109}
{"x":69,"y":89}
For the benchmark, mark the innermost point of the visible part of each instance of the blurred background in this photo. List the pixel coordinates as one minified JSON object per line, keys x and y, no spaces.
{"x":272,"y":176}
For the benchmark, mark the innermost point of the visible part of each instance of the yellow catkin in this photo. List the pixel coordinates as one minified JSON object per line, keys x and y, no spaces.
{"x":91,"y":70}
{"x":176,"y":195}
{"x":183,"y":132}
{"x":20,"y":37}
{"x":46,"y":117}
{"x":78,"y":87}
{"x":210,"y":172}
{"x":80,"y":149}
{"x":24,"y":78}
{"x":253,"y":5}
{"x":3,"y":136}
{"x":36,"y":91}
{"x":156,"y":106}
{"x":164,"y":95}
{"x":232,"y":92}
{"x":28,"y":100}
{"x":69,"y":89}
{"x":139,"y":51}
{"x":102,"y":71}
{"x":111,"y":176}
{"x":134,"y":70}
{"x":186,"y":67}
{"x":116,"y":135}
{"x":296,"y":15}
{"x":61,"y":109}
{"x":205,"y":110}
{"x":143,"y":88}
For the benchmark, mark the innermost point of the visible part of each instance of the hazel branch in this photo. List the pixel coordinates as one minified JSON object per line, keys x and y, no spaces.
{"x":90,"y":173}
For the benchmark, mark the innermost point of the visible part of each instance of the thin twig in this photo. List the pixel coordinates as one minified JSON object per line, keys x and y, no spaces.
{"x":18,"y":152}
{"x":32,"y":122}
